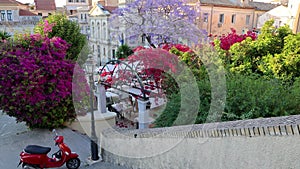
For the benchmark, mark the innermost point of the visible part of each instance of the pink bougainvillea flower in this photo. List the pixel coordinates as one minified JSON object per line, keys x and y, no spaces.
{"x":36,"y":81}
{"x":138,"y":48}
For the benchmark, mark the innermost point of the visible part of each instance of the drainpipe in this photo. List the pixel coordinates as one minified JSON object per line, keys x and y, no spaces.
{"x":211,"y":16}
{"x":253,"y":16}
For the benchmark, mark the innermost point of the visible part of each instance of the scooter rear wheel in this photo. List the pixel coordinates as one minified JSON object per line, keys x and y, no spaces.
{"x":73,"y":163}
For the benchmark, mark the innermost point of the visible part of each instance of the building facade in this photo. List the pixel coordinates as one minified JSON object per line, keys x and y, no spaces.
{"x":260,"y":9}
{"x":44,"y":8}
{"x":218,"y":17}
{"x":281,"y":16}
{"x":15,"y":18}
{"x":102,"y":45}
{"x":293,"y":8}
{"x":72,"y":6}
{"x":296,"y":28}
{"x":78,"y":11}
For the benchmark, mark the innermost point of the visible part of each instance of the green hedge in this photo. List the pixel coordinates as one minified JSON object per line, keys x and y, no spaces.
{"x":247,"y":97}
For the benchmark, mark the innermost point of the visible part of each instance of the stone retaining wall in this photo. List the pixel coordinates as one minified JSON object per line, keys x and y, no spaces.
{"x":259,"y":143}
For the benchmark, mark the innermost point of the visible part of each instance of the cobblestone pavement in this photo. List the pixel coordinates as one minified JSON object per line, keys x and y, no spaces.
{"x":15,"y":136}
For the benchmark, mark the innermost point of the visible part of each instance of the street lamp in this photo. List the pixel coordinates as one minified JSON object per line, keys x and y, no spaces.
{"x":94,"y":140}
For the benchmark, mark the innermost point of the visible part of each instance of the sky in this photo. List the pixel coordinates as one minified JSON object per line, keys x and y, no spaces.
{"x":267,"y":1}
{"x":59,"y":3}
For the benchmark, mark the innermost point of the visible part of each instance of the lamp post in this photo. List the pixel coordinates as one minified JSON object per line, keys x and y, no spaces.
{"x":94,"y":140}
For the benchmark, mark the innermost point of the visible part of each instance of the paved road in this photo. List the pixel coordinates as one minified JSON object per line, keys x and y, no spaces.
{"x":15,"y":136}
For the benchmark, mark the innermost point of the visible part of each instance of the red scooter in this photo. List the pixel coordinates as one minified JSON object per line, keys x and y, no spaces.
{"x":35,"y":157}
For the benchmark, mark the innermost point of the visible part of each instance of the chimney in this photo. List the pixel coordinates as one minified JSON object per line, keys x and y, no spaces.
{"x":245,"y":2}
{"x":101,"y":2}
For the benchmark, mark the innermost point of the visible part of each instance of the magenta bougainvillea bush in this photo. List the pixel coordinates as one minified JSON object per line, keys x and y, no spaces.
{"x":226,"y":41}
{"x":36,"y":80}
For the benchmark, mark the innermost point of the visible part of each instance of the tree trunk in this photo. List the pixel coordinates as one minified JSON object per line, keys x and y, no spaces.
{"x":148,"y":38}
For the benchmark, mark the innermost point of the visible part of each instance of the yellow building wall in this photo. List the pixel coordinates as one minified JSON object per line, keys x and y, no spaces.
{"x":213,"y":26}
{"x":296,"y":28}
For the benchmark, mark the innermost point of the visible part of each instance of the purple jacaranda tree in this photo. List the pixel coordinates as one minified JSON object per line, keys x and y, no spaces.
{"x":158,"y":21}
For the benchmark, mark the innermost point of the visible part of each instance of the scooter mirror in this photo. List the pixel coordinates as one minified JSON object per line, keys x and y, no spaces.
{"x":54,"y":131}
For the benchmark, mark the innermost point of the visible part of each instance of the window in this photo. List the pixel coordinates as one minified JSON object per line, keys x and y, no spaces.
{"x":221,"y":18}
{"x":93,"y":30}
{"x":99,"y":56}
{"x":40,"y":14}
{"x":121,"y":39}
{"x":143,"y":38}
{"x":81,"y":17}
{"x":77,"y":0}
{"x":233,"y":18}
{"x":83,"y":1}
{"x":98,"y":48}
{"x":104,"y":30}
{"x":104,"y":52}
{"x":88,"y":30}
{"x":247,"y":19}
{"x":9,"y":15}
{"x":205,"y":17}
{"x":49,"y":14}
{"x":98,"y":31}
{"x":70,"y":0}
{"x":114,"y":53}
{"x":2,"y":15}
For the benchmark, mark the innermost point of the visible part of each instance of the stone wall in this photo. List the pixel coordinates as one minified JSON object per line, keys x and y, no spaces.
{"x":260,"y":143}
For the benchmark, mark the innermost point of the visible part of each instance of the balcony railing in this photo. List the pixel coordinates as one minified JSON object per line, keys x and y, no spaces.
{"x":17,"y":23}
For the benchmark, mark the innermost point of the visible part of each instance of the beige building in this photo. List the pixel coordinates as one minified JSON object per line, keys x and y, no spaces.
{"x":44,"y":8}
{"x":103,"y":46}
{"x":219,"y":16}
{"x":260,"y":9}
{"x":106,"y":2}
{"x":78,"y":11}
{"x":16,"y":17}
{"x":283,"y":14}
{"x":296,"y":28}
{"x":72,"y":6}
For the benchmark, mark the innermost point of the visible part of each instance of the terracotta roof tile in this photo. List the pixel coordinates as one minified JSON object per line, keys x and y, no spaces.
{"x":48,"y":5}
{"x":229,"y":3}
{"x":263,"y":6}
{"x":23,"y":12}
{"x":8,"y":3}
{"x":110,"y":8}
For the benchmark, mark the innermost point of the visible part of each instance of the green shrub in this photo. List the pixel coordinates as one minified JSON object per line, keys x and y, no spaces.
{"x":68,"y":31}
{"x":170,"y":113}
{"x":173,"y":106}
{"x":124,"y":51}
{"x":251,"y":97}
{"x":248,"y":97}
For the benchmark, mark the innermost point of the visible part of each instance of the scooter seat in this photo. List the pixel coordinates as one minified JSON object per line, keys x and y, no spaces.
{"x":35,"y":149}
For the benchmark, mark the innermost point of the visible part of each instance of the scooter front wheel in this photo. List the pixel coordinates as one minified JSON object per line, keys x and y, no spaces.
{"x":28,"y":166}
{"x":73,"y":163}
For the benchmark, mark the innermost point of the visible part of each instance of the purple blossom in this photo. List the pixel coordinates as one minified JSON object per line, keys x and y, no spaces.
{"x":36,"y":81}
{"x":162,"y":20}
